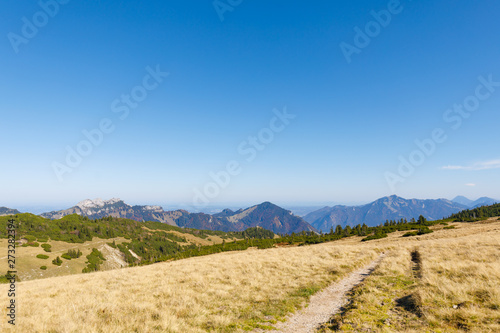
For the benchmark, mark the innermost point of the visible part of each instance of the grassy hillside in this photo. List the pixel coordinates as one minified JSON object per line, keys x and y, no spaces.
{"x":478,"y":213}
{"x":219,"y":292}
{"x":146,"y":240}
{"x":450,"y":287}
{"x":140,"y":243}
{"x":28,"y":264}
{"x":444,"y":282}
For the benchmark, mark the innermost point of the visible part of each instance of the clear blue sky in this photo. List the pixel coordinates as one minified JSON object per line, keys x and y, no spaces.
{"x":353,"y":119}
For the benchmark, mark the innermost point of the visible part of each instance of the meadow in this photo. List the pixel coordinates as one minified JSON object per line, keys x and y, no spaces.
{"x":450,"y":285}
{"x":446,"y":281}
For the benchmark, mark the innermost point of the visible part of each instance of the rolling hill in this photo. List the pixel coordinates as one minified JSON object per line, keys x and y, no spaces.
{"x":123,"y":242}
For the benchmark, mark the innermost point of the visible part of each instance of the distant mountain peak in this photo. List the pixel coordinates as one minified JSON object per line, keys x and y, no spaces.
{"x":483,"y":201}
{"x":386,"y":208}
{"x":462,"y":200}
{"x":8,"y":211}
{"x":96,"y":203}
{"x":267,"y":204}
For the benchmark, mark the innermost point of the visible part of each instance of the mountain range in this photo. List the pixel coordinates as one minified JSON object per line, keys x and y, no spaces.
{"x":272,"y":217}
{"x":483,"y":201}
{"x":387,"y":208}
{"x":265,"y":215}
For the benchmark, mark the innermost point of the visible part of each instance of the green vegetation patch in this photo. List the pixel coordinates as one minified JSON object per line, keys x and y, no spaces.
{"x":7,"y":277}
{"x":95,"y":260}
{"x":57,"y":261}
{"x":29,"y":238}
{"x":421,"y":231}
{"x":477,"y":214}
{"x":72,"y":254}
{"x":33,"y":244}
{"x":42,"y":256}
{"x":47,"y":247}
{"x":374,"y":236}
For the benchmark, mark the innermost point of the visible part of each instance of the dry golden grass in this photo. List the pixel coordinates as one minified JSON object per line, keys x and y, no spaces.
{"x":222,"y":292}
{"x":28,"y":265}
{"x":461,"y":284}
{"x":192,"y":239}
{"x":237,"y":291}
{"x":456,"y":288}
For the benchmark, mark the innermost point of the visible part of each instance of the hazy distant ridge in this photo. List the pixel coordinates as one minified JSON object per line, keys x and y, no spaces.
{"x":387,"y":208}
{"x":483,"y":201}
{"x":8,"y":211}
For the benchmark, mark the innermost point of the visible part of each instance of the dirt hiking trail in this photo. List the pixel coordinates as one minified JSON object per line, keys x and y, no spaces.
{"x":323,"y":305}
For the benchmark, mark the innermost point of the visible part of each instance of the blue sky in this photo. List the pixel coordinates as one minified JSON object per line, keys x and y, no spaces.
{"x":354,"y":121}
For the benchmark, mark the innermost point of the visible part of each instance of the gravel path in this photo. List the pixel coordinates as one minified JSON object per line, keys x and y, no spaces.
{"x":323,"y":305}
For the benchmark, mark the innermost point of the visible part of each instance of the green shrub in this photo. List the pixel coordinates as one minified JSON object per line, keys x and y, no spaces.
{"x":57,"y":261}
{"x":43,"y":267}
{"x":42,"y":256}
{"x":66,"y":256}
{"x":450,"y":227}
{"x":33,"y":244}
{"x":424,"y":231}
{"x":46,"y":247}
{"x":374,"y":236}
{"x":6,"y":278}
{"x":421,"y":231}
{"x":29,"y":238}
{"x":42,"y":239}
{"x":74,"y":253}
{"x":95,"y":259}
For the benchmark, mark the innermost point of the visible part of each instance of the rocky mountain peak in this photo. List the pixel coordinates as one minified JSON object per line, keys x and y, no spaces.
{"x":96,"y":203}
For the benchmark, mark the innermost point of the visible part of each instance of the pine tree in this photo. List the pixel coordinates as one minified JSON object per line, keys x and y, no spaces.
{"x":338,"y":230}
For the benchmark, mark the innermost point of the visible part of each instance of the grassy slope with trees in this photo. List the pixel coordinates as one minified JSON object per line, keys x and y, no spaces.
{"x":152,"y":242}
{"x":477,"y":214}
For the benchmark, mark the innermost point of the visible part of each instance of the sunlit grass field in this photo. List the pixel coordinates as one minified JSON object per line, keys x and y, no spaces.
{"x":453,"y":287}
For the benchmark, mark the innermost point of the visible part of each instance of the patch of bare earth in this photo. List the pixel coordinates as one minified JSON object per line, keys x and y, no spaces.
{"x":325,"y":303}
{"x":114,"y":258}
